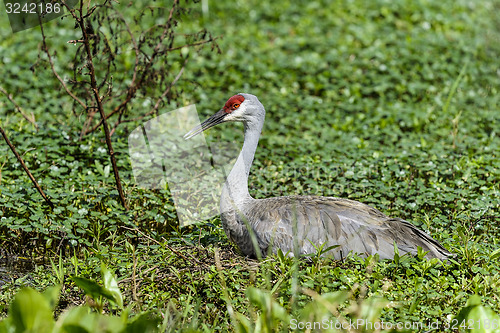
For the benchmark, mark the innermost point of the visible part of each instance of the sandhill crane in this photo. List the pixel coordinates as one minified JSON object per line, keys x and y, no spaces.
{"x":298,"y":225}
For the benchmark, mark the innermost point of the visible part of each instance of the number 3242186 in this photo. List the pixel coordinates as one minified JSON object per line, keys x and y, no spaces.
{"x":31,"y":8}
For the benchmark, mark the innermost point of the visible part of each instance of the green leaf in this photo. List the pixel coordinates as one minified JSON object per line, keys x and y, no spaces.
{"x":483,"y":315}
{"x":264,"y":301}
{"x":82,"y":320}
{"x":495,"y":255}
{"x":106,"y":171}
{"x":31,"y":311}
{"x":371,"y":308}
{"x":396,"y":254}
{"x":5,"y":326}
{"x":51,"y":294}
{"x":99,"y":167}
{"x":111,"y":285}
{"x":145,"y":322}
{"x":336,"y":297}
{"x":77,"y":320}
{"x":92,"y":289}
{"x":243,"y":324}
{"x":474,"y":312}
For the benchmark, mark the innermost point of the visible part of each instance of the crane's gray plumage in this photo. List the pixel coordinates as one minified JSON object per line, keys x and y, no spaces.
{"x":299,"y":225}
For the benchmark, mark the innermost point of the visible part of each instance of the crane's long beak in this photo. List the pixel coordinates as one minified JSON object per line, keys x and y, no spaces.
{"x":216,"y":119}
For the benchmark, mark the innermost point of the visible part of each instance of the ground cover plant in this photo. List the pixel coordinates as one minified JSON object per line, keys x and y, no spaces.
{"x":391,"y":103}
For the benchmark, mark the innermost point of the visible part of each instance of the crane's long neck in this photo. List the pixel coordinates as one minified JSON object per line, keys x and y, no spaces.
{"x":235,"y":190}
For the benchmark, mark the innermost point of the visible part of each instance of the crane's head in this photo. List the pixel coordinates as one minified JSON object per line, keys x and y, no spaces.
{"x":245,"y":108}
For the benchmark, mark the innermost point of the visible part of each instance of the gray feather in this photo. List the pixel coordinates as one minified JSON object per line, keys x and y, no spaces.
{"x":312,"y":221}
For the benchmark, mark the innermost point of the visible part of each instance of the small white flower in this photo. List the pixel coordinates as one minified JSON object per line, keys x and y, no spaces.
{"x":83,"y":211}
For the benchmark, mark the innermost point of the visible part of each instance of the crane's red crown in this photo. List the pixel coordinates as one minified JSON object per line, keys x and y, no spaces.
{"x":233,"y":103}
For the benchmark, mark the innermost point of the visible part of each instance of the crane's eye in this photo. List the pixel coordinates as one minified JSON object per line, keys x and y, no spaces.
{"x":236,"y":105}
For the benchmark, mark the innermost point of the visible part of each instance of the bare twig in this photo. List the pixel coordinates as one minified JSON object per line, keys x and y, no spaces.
{"x":141,"y":273}
{"x":93,"y":83}
{"x":20,"y":159}
{"x":134,"y":85}
{"x":51,"y":62}
{"x":165,"y":93}
{"x":134,"y":43}
{"x":149,"y":47}
{"x":132,"y":90}
{"x":191,"y":44}
{"x":90,"y":116}
{"x":18,"y":108}
{"x":1,"y":167}
{"x":158,"y":102}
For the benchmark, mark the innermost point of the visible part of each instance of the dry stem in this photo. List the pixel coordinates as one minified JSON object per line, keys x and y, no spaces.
{"x":20,"y":159}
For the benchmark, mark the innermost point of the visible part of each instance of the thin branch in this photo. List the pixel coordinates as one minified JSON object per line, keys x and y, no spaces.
{"x":157,"y":105}
{"x":165,"y":93}
{"x":142,"y":73}
{"x":18,"y":108}
{"x":88,"y":122}
{"x":141,"y":273}
{"x":134,"y":86}
{"x":51,"y":62}
{"x":120,"y":107}
{"x":136,"y":47}
{"x":191,"y":44}
{"x":20,"y":159}
{"x":98,"y":100}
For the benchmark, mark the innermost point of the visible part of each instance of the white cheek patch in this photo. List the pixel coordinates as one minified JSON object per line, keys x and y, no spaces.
{"x":235,"y":115}
{"x":229,"y":117}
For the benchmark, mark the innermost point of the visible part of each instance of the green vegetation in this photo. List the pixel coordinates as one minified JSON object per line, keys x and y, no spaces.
{"x":391,"y":103}
{"x":32,"y":312}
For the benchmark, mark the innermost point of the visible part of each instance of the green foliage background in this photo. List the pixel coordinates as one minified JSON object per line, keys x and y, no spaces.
{"x":392,"y":103}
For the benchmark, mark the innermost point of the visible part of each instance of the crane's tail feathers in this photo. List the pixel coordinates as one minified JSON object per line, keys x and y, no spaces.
{"x":427,"y":243}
